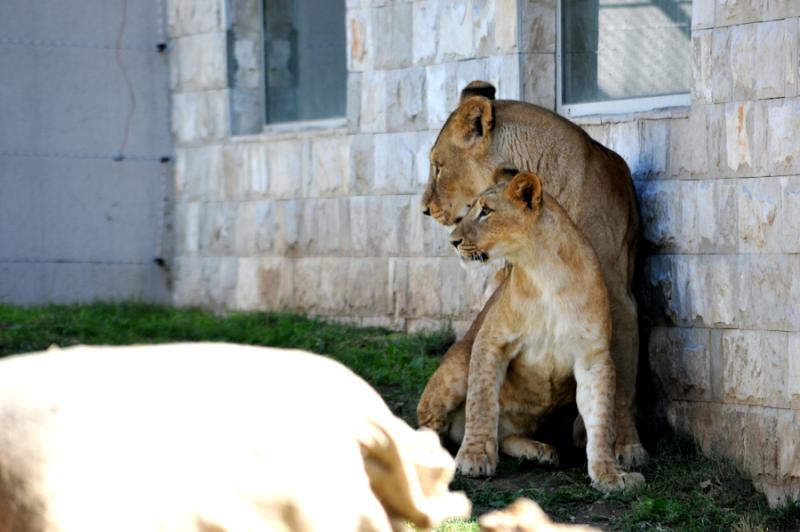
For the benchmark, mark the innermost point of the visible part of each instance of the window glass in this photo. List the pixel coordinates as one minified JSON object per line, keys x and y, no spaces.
{"x":622,"y":49}
{"x":306,"y":70}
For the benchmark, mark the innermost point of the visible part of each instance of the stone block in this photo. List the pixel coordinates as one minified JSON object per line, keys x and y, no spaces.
{"x":200,"y":116}
{"x":255,"y":228}
{"x":790,"y":215}
{"x":393,"y":24}
{"x":483,"y":18}
{"x":365,"y":289}
{"x":360,"y":46}
{"x":702,"y":14}
{"x":218,"y":276}
{"x":702,"y":45}
{"x":218,"y":229}
{"x":792,"y":56}
{"x":660,"y":212}
{"x":455,"y":32}
{"x":754,"y":366}
{"x":397,"y":287}
{"x":745,"y":139}
{"x":747,"y":435}
{"x":538,"y":82}
{"x":441,"y":93}
{"x":288,"y":165}
{"x":708,"y":215}
{"x":624,"y":138}
{"x":453,"y":284}
{"x":788,"y":431}
{"x":692,"y":144}
{"x":425,"y":21}
{"x":306,"y":277}
{"x":188,"y":17}
{"x":199,"y":62}
{"x":328,"y":237}
{"x":680,"y":362}
{"x":331,"y":296}
{"x":265,"y":284}
{"x":653,"y":145}
{"x":538,"y":26}
{"x":424,"y":289}
{"x":358,"y":243}
{"x":769,"y":292}
{"x":187,"y":227}
{"x":753,"y":77}
{"x":783,"y":150}
{"x":361,"y":165}
{"x":503,"y":71}
{"x":720,"y":68}
{"x":248,"y":65}
{"x":373,"y":101}
{"x":733,"y":12}
{"x":793,"y":377}
{"x":353,"y":102}
{"x":387,"y":219}
{"x":187,"y":286}
{"x":245,"y":170}
{"x":198,"y":173}
{"x":330,"y":159}
{"x":422,"y":163}
{"x":691,"y":290}
{"x":405,"y":99}
{"x":395,"y":155}
{"x":760,"y":214}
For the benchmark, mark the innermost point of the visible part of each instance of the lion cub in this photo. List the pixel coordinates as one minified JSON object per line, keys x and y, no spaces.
{"x":548,"y":331}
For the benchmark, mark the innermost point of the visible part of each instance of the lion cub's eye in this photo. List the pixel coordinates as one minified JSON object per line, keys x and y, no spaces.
{"x":485,"y":211}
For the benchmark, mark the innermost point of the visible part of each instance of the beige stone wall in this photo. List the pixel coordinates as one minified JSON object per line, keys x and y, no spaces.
{"x":326,"y":220}
{"x":719,"y":189}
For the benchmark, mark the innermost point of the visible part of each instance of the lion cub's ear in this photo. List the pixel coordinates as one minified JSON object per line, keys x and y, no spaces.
{"x":473,"y":120}
{"x":526,"y":188}
{"x":477,"y":88}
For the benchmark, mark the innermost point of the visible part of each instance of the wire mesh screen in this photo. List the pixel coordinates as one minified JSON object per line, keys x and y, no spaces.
{"x":620,"y":49}
{"x":305,"y":59}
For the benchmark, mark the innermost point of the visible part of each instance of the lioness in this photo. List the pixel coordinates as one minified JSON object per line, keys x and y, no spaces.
{"x":485,"y":141}
{"x":550,"y":322}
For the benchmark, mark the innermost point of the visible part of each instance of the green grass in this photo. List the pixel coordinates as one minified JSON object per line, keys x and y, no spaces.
{"x":685,"y":490}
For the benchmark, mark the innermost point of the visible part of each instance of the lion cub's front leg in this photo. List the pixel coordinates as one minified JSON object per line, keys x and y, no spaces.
{"x":478,"y":453}
{"x":595,"y":378}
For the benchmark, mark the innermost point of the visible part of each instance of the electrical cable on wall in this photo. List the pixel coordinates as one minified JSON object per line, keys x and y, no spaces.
{"x":131,"y":96}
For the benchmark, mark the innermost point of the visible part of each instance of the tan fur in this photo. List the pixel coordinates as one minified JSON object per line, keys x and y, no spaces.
{"x":548,"y":329}
{"x":486,"y":141}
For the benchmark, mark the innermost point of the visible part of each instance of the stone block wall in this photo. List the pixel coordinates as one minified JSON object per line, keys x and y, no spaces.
{"x":718,"y":185}
{"x":325,"y":219}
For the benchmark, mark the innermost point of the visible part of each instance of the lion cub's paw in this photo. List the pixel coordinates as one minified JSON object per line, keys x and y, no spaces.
{"x":608,"y":478}
{"x":633,"y":455}
{"x":477,"y":459}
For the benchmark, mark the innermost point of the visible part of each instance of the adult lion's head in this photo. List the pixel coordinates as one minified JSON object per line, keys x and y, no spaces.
{"x":463,"y":159}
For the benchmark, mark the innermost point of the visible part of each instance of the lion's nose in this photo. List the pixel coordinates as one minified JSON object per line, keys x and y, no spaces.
{"x":456,"y":242}
{"x":426,"y":211}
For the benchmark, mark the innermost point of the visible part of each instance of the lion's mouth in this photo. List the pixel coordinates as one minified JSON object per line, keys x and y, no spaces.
{"x":473,"y":254}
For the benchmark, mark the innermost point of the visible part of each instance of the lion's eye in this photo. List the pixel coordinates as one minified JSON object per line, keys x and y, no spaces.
{"x":485,"y":211}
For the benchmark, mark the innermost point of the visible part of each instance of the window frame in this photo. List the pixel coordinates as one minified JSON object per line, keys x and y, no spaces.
{"x":607,"y":107}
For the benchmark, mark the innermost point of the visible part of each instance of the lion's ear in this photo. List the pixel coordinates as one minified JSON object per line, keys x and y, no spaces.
{"x":474,"y":119}
{"x":503,"y":174}
{"x":526,"y":188}
{"x":477,"y":88}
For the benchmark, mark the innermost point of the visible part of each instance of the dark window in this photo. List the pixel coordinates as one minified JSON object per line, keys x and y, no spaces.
{"x":306,"y":70}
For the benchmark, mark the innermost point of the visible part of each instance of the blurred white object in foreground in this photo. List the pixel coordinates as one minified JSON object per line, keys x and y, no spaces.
{"x":524,"y":515}
{"x":208,"y":437}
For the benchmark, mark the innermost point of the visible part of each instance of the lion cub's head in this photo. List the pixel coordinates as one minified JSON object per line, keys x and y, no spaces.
{"x":500,"y":221}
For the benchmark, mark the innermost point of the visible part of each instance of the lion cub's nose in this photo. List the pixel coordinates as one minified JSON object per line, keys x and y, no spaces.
{"x":426,"y":211}
{"x":456,"y":242}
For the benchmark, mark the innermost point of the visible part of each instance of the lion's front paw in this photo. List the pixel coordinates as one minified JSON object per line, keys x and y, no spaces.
{"x":427,"y":420}
{"x":477,"y":459}
{"x":607,"y":477}
{"x":633,"y":455}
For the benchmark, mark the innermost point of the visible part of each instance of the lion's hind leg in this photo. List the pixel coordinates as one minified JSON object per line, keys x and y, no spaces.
{"x":517,"y":446}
